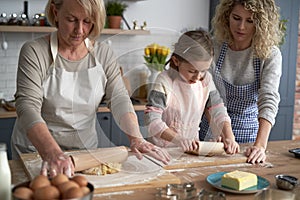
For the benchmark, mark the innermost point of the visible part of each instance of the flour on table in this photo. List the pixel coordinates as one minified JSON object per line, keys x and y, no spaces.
{"x":133,"y":171}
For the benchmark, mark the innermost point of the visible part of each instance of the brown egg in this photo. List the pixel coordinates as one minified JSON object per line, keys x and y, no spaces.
{"x":39,"y":182}
{"x":66,"y":186}
{"x":46,"y":193}
{"x":85,"y":190}
{"x":58,"y":179}
{"x":73,"y":193}
{"x":23,"y":193}
{"x":80,"y":180}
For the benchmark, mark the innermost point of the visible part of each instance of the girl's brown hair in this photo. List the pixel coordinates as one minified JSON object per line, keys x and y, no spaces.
{"x":193,"y":46}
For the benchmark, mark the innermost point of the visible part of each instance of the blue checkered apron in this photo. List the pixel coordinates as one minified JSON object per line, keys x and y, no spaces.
{"x":241,"y":103}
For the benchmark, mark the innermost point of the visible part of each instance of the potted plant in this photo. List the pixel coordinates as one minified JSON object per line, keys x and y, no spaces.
{"x":114,"y":12}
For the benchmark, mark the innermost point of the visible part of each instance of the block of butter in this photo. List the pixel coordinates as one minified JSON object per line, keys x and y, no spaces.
{"x":239,"y":180}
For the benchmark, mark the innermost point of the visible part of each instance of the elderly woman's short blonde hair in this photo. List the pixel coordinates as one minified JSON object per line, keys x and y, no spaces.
{"x":94,"y":8}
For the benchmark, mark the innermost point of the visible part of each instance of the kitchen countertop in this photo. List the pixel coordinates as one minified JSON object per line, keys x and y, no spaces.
{"x":279,"y":161}
{"x":11,"y":114}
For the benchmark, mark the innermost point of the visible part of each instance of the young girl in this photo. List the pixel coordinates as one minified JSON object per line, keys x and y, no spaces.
{"x":177,"y":99}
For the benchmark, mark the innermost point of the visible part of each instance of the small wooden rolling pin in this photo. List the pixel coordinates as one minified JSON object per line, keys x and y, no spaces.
{"x":92,"y":158}
{"x":209,"y":148}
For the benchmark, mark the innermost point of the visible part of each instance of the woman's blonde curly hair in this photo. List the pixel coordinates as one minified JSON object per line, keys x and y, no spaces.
{"x":94,"y":8}
{"x":266,"y":20}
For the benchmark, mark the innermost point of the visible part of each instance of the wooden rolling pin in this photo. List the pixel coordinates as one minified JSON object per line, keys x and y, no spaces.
{"x":209,"y":148}
{"x":92,"y":158}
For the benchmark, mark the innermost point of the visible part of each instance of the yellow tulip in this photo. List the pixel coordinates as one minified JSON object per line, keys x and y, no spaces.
{"x":147,"y":51}
{"x":169,"y":50}
{"x":165,"y":51}
{"x":153,"y":48}
{"x":159,"y":51}
{"x":156,"y":55}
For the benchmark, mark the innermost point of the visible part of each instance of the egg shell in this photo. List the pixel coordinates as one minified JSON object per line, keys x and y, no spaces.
{"x":58,"y":179}
{"x":46,"y":193}
{"x":73,"y":193}
{"x":39,"y":182}
{"x":80,"y":180}
{"x":66,"y":186}
{"x":23,"y":193}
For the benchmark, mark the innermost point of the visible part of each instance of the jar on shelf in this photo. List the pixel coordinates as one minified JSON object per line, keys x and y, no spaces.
{"x":42,"y":19}
{"x":3,"y":19}
{"x":35,"y":21}
{"x":13,"y":20}
{"x":39,"y":19}
{"x":23,"y":20}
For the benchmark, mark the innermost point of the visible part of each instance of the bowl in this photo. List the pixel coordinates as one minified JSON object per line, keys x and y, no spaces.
{"x":274,"y":194}
{"x":286,"y":182}
{"x":296,"y":152}
{"x":88,"y":196}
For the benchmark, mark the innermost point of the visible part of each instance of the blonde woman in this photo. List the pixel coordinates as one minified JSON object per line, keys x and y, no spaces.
{"x":61,"y":80}
{"x":248,"y":70}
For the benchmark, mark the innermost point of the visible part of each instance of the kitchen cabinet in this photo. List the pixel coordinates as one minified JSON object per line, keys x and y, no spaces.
{"x":112,"y":131}
{"x":289,"y":9}
{"x":48,"y":29}
{"x":111,"y":134}
{"x":6,"y":128}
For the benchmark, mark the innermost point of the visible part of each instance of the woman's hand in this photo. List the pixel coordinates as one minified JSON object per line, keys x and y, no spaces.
{"x":57,"y":164}
{"x":140,"y":146}
{"x":256,"y":154}
{"x":231,"y":146}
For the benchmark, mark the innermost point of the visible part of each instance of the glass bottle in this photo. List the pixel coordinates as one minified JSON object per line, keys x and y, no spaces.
{"x":5,"y":174}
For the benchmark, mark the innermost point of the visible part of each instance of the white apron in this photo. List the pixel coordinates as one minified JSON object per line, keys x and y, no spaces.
{"x":70,"y":103}
{"x":185,"y":107}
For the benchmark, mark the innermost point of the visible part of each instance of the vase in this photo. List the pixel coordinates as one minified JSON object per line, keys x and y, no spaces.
{"x":151,"y":79}
{"x":153,"y":75}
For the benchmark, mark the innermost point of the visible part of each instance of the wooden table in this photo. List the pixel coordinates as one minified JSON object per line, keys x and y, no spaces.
{"x":279,"y":161}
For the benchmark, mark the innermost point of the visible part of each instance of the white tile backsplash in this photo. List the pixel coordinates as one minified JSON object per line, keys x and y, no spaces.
{"x":129,"y":50}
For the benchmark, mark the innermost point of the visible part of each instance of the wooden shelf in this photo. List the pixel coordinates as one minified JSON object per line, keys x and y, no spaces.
{"x":24,"y":29}
{"x":47,"y":29}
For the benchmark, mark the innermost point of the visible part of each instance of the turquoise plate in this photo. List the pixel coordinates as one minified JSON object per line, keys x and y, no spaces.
{"x":215,"y":181}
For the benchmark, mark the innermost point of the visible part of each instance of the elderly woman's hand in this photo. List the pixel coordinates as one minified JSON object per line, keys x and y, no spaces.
{"x":57,"y":164}
{"x":141,"y":146}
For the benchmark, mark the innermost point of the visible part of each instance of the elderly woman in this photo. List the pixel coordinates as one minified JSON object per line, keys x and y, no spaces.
{"x":61,"y":80}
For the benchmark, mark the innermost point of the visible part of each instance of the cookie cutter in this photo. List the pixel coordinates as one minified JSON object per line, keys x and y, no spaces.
{"x":185,"y":191}
{"x":209,"y":195}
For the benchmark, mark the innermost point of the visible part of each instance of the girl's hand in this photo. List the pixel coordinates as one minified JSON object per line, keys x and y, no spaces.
{"x":185,"y":143}
{"x":231,"y":146}
{"x":256,"y":154}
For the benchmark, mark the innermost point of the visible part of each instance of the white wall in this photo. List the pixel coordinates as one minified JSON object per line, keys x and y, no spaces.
{"x":166,"y":19}
{"x":171,"y":14}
